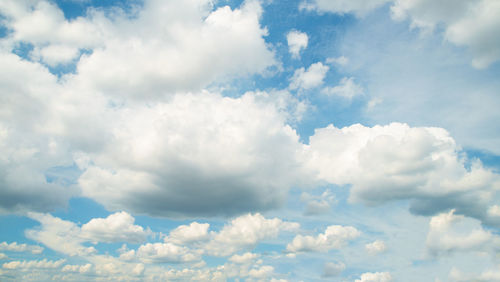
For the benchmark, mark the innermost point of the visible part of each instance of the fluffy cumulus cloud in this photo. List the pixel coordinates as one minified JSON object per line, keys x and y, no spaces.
{"x":334,"y":237}
{"x":321,"y":204}
{"x":245,"y":232}
{"x":15,"y":247}
{"x":297,"y":41}
{"x":375,"y":247}
{"x":27,"y":145}
{"x":68,"y":238}
{"x":333,"y":269}
{"x":450,"y":233}
{"x":375,"y":277}
{"x":347,"y":88}
{"x":237,"y":152}
{"x":33,"y":264}
{"x":310,"y":78}
{"x":385,"y":163}
{"x":473,"y":24}
{"x":118,"y":227}
{"x":194,"y":232}
{"x":166,"y":252}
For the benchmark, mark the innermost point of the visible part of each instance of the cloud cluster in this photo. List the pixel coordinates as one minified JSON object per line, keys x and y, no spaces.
{"x":297,"y":41}
{"x":334,"y":237}
{"x":450,"y":233}
{"x":472,"y":24}
{"x":310,"y":78}
{"x":395,"y":161}
{"x":15,"y":247}
{"x":375,"y":277}
{"x":68,"y":238}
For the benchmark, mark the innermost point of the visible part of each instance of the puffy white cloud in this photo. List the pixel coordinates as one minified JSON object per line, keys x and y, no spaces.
{"x":466,"y":23}
{"x":15,"y":247}
{"x":318,"y":204}
{"x":117,"y":227}
{"x":262,"y":272}
{"x":375,"y":247}
{"x":159,"y":46}
{"x":347,"y":89}
{"x":27,"y":144}
{"x":449,"y":233}
{"x":194,"y":232}
{"x":44,"y":263}
{"x":358,"y":7}
{"x":59,"y":235}
{"x":171,"y":46}
{"x":238,"y":153}
{"x":335,"y":237}
{"x":167,"y":252}
{"x":375,"y":277}
{"x":385,"y":163}
{"x":68,"y":238}
{"x":244,"y":258}
{"x":297,"y":41}
{"x":3,"y":256}
{"x":77,"y":268}
{"x":310,"y":78}
{"x":341,"y":61}
{"x":245,"y":232}
{"x":332,"y":269}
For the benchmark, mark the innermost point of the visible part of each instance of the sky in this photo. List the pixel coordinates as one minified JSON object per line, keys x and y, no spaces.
{"x":227,"y":140}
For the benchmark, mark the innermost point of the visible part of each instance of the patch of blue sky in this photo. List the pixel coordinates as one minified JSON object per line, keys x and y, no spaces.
{"x":78,"y":8}
{"x":12,"y":228}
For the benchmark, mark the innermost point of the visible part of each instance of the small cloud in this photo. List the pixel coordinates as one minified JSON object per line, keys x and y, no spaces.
{"x":375,"y":247}
{"x":310,"y":78}
{"x":332,"y":269}
{"x":297,"y":41}
{"x":347,"y":89}
{"x":341,"y":61}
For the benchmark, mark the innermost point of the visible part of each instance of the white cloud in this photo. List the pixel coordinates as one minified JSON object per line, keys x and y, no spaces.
{"x":59,"y":235}
{"x":473,"y":24}
{"x":332,"y":269}
{"x":238,"y":153}
{"x":449,"y":233}
{"x":54,"y":55}
{"x":3,"y":256}
{"x":358,"y":7}
{"x":194,"y":232}
{"x":28,"y":146}
{"x":77,"y":268}
{"x":335,"y":237}
{"x":297,"y":41}
{"x":347,"y":89}
{"x":494,"y":211}
{"x":15,"y":247}
{"x":44,"y":263}
{"x":244,"y":258}
{"x":341,"y":61}
{"x":375,"y":247}
{"x":318,"y":204}
{"x":392,"y":162}
{"x":68,"y":238}
{"x":167,"y":252}
{"x":310,"y":78}
{"x":261,"y":273}
{"x":375,"y":277}
{"x":245,"y":232}
{"x":117,"y":227}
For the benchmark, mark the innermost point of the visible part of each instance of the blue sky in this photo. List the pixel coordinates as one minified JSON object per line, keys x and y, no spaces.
{"x":249,"y":140}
